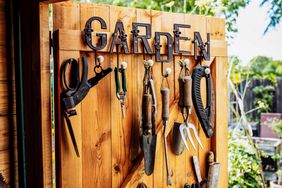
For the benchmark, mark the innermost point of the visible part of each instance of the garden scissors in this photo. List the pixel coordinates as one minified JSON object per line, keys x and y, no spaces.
{"x":77,"y":89}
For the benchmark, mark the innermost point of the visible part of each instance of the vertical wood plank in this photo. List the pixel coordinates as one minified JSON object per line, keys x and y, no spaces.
{"x":96,"y":133}
{"x":65,"y":151}
{"x":66,"y":16}
{"x":221,"y":118}
{"x":216,"y":28}
{"x":121,"y":128}
{"x":45,"y":91}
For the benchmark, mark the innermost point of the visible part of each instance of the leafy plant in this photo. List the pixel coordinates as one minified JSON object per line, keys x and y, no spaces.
{"x":264,"y":96}
{"x":243,"y":166}
{"x":244,"y":158}
{"x":277,"y":128}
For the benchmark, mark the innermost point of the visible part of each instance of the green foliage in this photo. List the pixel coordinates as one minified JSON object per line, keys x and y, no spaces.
{"x":275,"y":13}
{"x":244,"y":168}
{"x":260,"y":67}
{"x":277,"y":128}
{"x":229,"y":9}
{"x":264,"y":96}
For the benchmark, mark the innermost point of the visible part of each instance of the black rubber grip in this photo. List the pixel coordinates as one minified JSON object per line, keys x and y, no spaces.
{"x":203,"y":114}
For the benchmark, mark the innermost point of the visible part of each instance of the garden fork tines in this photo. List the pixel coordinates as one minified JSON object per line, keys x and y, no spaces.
{"x":185,"y":127}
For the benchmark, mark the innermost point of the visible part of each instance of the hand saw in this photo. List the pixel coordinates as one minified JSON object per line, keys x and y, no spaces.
{"x":204,"y":114}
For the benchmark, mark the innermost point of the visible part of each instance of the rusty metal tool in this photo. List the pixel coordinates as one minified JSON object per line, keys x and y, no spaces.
{"x":185,"y":103}
{"x":165,"y":117}
{"x":148,"y":127}
{"x":77,"y":89}
{"x":201,"y":183}
{"x":213,"y":172}
{"x":177,"y":142}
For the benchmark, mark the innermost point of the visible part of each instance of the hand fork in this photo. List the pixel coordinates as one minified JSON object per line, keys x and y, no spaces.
{"x":185,"y":127}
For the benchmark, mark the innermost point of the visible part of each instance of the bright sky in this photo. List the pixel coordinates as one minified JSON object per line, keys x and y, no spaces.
{"x":250,"y":41}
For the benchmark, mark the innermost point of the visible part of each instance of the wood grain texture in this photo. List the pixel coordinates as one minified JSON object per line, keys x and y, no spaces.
{"x":110,"y":145}
{"x":3,"y":27}
{"x":4,"y":100}
{"x":45,"y":91}
{"x":6,"y":134}
{"x":221,"y":118}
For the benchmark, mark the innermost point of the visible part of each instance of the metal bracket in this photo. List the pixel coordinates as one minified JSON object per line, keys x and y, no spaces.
{"x":158,"y":46}
{"x":177,"y":38}
{"x":204,"y":53}
{"x":88,"y":34}
{"x":122,"y":38}
{"x":144,"y":38}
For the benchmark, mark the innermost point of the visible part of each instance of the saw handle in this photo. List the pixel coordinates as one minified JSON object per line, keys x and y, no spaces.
{"x":202,"y":113}
{"x":165,"y":103}
{"x":147,"y":112}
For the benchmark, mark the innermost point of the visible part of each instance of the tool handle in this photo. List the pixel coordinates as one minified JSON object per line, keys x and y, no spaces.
{"x":181,"y":92}
{"x":117,"y":80}
{"x":146,"y":112}
{"x":123,"y":80}
{"x":203,"y":114}
{"x":84,"y":86}
{"x":165,"y":103}
{"x":187,"y":98}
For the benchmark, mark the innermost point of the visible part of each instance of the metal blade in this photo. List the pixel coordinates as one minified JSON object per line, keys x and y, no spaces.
{"x":72,"y":136}
{"x":190,"y":125}
{"x":190,"y":137}
{"x":213,"y":175}
{"x":181,"y":129}
{"x":197,"y":169}
{"x":148,"y":143}
{"x":99,"y":76}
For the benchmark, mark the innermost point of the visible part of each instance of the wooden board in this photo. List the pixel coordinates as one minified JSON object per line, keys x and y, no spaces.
{"x":109,"y":145}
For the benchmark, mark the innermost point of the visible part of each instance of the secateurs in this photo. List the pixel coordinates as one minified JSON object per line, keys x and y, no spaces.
{"x":121,"y":90}
{"x":149,"y":110}
{"x":77,"y":89}
{"x":165,"y":117}
{"x":185,"y":104}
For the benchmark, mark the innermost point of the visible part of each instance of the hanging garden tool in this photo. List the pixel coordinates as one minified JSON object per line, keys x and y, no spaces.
{"x":165,"y":117}
{"x":149,"y":110}
{"x":199,"y":72}
{"x":77,"y":89}
{"x":185,"y":104}
{"x":120,"y":42}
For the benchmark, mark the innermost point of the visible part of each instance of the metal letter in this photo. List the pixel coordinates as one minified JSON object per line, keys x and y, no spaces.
{"x":144,"y":38}
{"x":122,"y":38}
{"x":88,"y":31}
{"x":158,"y":46}
{"x":205,"y":53}
{"x":177,"y":38}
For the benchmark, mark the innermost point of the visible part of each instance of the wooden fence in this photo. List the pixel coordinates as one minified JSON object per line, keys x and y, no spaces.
{"x":105,"y":140}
